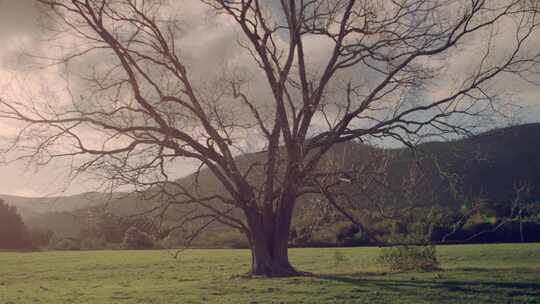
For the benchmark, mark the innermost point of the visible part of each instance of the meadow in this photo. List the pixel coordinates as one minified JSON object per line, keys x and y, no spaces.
{"x":502,"y":273}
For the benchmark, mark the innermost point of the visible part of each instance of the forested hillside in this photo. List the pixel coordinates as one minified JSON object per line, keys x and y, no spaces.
{"x":489,"y":167}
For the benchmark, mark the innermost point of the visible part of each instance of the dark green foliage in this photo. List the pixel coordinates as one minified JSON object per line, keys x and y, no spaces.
{"x":232,"y":241}
{"x":300,"y":236}
{"x":510,"y":232}
{"x":350,"y":235}
{"x":13,"y":232}
{"x":103,"y":226}
{"x":137,"y":239}
{"x":409,"y":258}
{"x":106,"y":230}
{"x":65,"y":244}
{"x":346,"y":232}
{"x":476,"y":176}
{"x":93,"y":243}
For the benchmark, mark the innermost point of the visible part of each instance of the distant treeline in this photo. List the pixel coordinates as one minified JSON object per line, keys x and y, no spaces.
{"x":15,"y":235}
{"x":108,"y":231}
{"x":511,"y":232}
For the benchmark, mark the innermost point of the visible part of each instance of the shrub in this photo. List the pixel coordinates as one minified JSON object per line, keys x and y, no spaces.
{"x":409,"y":258}
{"x":300,"y":236}
{"x":93,"y":243}
{"x":65,"y":244}
{"x":137,"y":239}
{"x":346,"y":233}
{"x":235,"y":243}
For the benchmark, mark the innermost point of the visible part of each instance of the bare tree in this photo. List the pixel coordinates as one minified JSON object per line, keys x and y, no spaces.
{"x":145,"y":110}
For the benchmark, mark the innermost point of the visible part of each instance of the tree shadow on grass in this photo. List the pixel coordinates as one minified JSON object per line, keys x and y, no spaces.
{"x":438,"y":285}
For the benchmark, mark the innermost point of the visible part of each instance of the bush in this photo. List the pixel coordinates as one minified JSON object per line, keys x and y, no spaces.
{"x":490,"y":233}
{"x":137,"y":239}
{"x":407,"y":258}
{"x":235,"y":243}
{"x":65,"y":244}
{"x":93,"y":243}
{"x":300,"y":236}
{"x":346,"y":233}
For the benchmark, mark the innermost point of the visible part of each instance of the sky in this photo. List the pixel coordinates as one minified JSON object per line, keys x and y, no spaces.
{"x":208,"y":41}
{"x":22,"y":33}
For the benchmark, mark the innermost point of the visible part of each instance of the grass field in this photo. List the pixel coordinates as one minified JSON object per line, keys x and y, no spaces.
{"x":505,"y":273}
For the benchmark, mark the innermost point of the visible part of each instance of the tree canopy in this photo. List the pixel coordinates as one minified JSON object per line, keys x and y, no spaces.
{"x":13,"y":232}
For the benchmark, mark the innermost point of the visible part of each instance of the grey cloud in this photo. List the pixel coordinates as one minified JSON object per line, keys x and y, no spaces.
{"x":18,"y":17}
{"x":21,"y":25}
{"x":208,"y":42}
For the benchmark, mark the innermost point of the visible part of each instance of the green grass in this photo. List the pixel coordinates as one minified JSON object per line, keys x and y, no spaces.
{"x":506,"y":273}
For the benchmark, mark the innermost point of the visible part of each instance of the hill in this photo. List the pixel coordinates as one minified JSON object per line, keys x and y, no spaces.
{"x":63,"y":215}
{"x":40,"y":205}
{"x":489,"y":167}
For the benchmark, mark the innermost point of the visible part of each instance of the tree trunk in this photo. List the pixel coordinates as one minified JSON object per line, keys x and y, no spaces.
{"x":269,"y":257}
{"x":269,"y":238}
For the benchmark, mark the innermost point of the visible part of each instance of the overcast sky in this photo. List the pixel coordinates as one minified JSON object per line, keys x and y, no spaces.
{"x":20,"y":32}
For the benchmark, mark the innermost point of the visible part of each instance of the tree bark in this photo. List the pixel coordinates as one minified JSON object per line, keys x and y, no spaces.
{"x":269,"y":238}
{"x":270,"y":258}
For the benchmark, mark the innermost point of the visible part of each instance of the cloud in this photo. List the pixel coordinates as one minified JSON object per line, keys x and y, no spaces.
{"x":21,"y":23}
{"x":18,"y":17}
{"x":208,"y":43}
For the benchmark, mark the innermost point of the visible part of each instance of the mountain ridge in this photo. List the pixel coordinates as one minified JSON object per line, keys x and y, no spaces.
{"x":490,"y":162}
